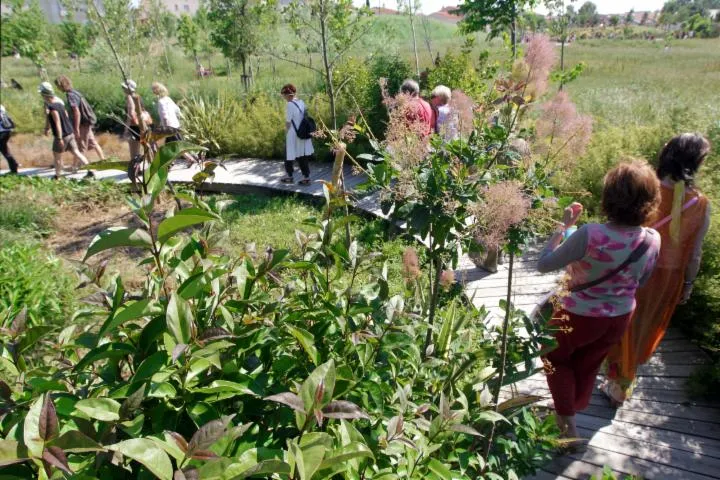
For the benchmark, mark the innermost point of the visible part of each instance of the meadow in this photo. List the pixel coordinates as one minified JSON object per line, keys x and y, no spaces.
{"x":270,"y":338}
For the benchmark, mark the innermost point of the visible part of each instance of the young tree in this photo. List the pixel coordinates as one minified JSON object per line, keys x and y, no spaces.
{"x":644,"y":18}
{"x":411,"y":8}
{"x":630,"y":17}
{"x":27,"y":31}
{"x":239,"y":28}
{"x":560,"y":25}
{"x":331,"y":27}
{"x":499,"y":15}
{"x":75,"y":38}
{"x":587,"y":15}
{"x":614,"y":20}
{"x":188,"y":37}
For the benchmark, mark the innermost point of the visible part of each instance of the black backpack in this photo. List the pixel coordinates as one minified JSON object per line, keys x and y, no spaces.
{"x":6,"y":121}
{"x":307,"y":125}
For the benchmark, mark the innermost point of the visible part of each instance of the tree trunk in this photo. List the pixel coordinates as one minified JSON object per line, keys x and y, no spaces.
{"x":326,"y":64}
{"x":244,"y":74}
{"x":562,"y":59}
{"x":197,"y":61}
{"x":417,"y":58}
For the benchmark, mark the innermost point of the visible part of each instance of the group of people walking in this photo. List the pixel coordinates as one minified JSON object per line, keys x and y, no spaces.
{"x":626,"y":276}
{"x":72,"y":125}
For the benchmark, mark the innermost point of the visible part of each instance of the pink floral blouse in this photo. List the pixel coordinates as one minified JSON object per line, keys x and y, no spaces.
{"x":591,"y":252}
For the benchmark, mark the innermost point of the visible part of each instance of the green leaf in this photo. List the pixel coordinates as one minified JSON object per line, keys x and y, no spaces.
{"x":347,"y":453}
{"x":439,"y":469}
{"x":107,"y":350}
{"x":150,"y":366}
{"x":313,"y":447}
{"x":179,"y":319}
{"x":12,"y":452}
{"x":118,"y":237}
{"x":103,"y":409}
{"x":31,"y":429}
{"x":148,"y":453}
{"x":325,"y":375}
{"x":74,"y":441}
{"x":491,"y":416}
{"x":31,"y":337}
{"x":140,"y":308}
{"x":169,"y":152}
{"x":225,"y":386}
{"x":307,"y":341}
{"x":109,"y":164}
{"x":182,"y":219}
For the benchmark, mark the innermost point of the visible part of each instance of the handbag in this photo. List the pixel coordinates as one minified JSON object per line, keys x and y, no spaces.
{"x":307,"y":125}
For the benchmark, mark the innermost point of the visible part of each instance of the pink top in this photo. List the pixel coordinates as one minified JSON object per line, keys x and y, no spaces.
{"x":593,"y":251}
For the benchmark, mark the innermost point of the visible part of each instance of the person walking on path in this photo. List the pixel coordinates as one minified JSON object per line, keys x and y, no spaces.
{"x":132,"y":118}
{"x":6,"y":128}
{"x":419,"y":110}
{"x":58,"y":122}
{"x":445,"y":122}
{"x":169,"y":114}
{"x":295,"y":148}
{"x":606,"y":262}
{"x":683,"y":219}
{"x":82,"y":115}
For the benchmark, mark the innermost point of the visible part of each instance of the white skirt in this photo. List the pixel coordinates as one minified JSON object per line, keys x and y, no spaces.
{"x":296,"y":147}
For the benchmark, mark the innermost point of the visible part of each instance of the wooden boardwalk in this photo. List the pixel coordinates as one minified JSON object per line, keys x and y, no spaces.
{"x":659,"y":434}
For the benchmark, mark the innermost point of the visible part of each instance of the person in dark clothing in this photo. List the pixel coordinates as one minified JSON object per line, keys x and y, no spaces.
{"x":58,"y":122}
{"x":6,"y":128}
{"x":82,"y":116}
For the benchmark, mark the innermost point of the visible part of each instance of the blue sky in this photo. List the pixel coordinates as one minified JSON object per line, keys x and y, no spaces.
{"x":604,"y":6}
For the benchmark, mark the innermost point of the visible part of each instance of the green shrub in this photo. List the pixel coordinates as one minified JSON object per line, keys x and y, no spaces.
{"x":26,"y":212}
{"x":394,"y":69}
{"x":31,"y":277}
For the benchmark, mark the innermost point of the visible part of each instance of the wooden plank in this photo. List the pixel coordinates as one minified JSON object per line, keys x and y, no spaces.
{"x":592,"y":461}
{"x":689,"y":443}
{"x":634,"y":404}
{"x":679,"y":358}
{"x":543,"y":475}
{"x":680,"y":425}
{"x":680,"y":345}
{"x":656,"y":453}
{"x":665,"y":370}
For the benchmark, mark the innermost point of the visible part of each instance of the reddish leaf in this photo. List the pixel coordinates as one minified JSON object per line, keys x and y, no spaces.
{"x":395,"y":427}
{"x":48,"y":424}
{"x":208,"y":434}
{"x":18,"y":323}
{"x":178,"y":350}
{"x":180,"y":440}
{"x":288,"y":398}
{"x":343,"y":409}
{"x":465,"y":429}
{"x":214,"y":334}
{"x":56,"y":457}
{"x":422,"y":409}
{"x":5,"y":391}
{"x":204,"y":455}
{"x":187,"y":474}
{"x":319,"y":416}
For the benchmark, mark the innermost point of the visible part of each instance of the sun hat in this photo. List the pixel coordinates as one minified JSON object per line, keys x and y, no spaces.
{"x":46,"y":88}
{"x":129,"y":85}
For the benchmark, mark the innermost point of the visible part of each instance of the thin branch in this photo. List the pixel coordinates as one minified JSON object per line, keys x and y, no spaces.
{"x":300,"y":64}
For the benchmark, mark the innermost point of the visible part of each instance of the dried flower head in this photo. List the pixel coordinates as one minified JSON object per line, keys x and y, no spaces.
{"x":562,"y":134}
{"x":411,"y":264}
{"x":540,"y":57}
{"x":503,"y":206}
{"x":447,"y":279}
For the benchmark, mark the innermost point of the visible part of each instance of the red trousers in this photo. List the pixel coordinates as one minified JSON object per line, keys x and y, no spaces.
{"x":583,"y":344}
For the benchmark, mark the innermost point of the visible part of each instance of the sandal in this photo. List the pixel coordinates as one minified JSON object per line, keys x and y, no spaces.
{"x":304,"y":181}
{"x":605,"y":390}
{"x":287,"y":180}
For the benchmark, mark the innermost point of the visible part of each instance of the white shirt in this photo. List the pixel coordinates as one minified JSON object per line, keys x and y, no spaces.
{"x":168,"y":111}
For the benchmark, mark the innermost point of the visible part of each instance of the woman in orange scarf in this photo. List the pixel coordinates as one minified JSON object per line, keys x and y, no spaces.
{"x":682,"y":219}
